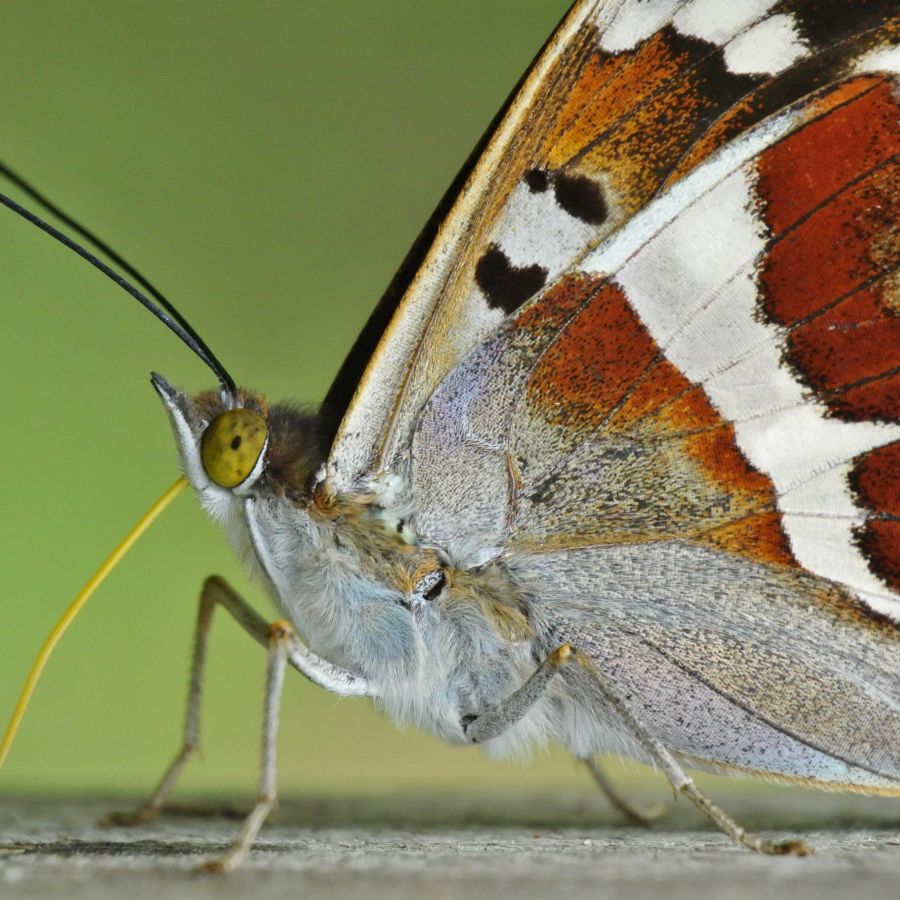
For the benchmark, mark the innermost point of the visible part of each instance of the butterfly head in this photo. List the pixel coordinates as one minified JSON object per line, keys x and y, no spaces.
{"x":234,"y":444}
{"x":222,"y":438}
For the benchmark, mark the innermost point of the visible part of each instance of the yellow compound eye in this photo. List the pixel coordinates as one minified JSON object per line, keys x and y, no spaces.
{"x":231,"y":446}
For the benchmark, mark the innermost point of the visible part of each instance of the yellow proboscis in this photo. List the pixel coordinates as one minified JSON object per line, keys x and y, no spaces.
{"x":37,"y":667}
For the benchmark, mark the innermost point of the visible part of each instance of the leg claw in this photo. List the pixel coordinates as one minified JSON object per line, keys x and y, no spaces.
{"x":126,"y":819}
{"x":790,"y":847}
{"x":219,"y":866}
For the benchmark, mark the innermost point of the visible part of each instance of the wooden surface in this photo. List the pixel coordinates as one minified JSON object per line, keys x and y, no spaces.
{"x":453,"y":846}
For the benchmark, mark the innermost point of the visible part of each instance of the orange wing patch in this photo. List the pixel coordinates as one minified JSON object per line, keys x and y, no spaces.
{"x":592,"y":362}
{"x":652,"y":106}
{"x":627,"y":449}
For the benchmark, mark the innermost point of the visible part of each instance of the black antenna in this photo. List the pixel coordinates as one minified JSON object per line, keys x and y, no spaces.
{"x":167,"y":313}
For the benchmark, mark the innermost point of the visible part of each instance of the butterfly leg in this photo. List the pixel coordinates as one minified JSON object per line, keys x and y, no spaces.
{"x":504,"y":715}
{"x":280,"y":640}
{"x":681,"y":781}
{"x":217,"y":592}
{"x":637,"y":816}
{"x":153,"y":805}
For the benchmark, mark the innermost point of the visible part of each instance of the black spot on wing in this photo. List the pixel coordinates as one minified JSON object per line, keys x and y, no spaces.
{"x":537,"y":181}
{"x":504,"y":285}
{"x":580,"y":197}
{"x":827,"y":22}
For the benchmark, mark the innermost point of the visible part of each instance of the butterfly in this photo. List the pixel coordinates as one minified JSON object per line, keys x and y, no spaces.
{"x":616,"y":460}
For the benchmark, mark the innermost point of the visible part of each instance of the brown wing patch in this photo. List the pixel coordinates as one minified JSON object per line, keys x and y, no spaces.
{"x":658,"y":386}
{"x":559,"y":303}
{"x":854,"y":341}
{"x":853,"y":131}
{"x":876,"y":398}
{"x":879,"y":541}
{"x":833,"y":252}
{"x":592,"y":362}
{"x":875,"y":480}
{"x":762,"y":531}
{"x":689,"y":411}
{"x":716,"y":451}
{"x":848,"y":354}
{"x":831,"y":194}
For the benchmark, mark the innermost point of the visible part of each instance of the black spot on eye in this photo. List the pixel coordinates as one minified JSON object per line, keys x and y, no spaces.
{"x":537,"y":181}
{"x":504,"y":285}
{"x":236,"y":442}
{"x":580,"y":197}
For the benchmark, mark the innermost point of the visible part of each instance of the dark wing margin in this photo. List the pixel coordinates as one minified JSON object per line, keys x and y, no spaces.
{"x":348,"y":377}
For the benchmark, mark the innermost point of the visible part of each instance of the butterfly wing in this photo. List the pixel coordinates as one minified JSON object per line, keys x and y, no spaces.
{"x":626,"y":98}
{"x":721,"y":359}
{"x":687,"y":449}
{"x":733,"y":664}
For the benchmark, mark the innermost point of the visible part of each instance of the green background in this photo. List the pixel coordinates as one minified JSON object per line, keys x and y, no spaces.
{"x":267,"y":164}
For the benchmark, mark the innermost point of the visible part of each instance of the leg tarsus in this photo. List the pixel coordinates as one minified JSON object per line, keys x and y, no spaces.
{"x":156,"y":802}
{"x":617,"y":801}
{"x":280,"y":640}
{"x":748,"y":839}
{"x":680,"y":780}
{"x":238,"y":851}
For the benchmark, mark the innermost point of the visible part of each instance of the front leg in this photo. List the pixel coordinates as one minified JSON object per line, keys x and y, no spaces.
{"x":217,"y":592}
{"x":505,"y":714}
{"x":280,"y":639}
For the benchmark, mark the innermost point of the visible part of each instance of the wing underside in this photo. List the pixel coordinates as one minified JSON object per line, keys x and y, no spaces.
{"x":651,"y":366}
{"x":626,"y":99}
{"x":700,"y":377}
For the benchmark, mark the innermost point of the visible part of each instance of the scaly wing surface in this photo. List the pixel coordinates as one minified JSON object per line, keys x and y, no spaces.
{"x":627,"y":98}
{"x":686,"y":449}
